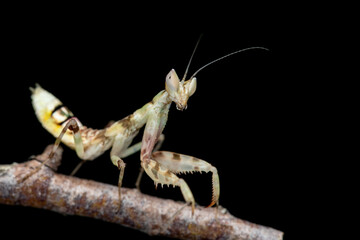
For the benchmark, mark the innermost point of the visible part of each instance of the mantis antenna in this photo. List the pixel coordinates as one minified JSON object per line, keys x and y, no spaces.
{"x":220,"y":58}
{"x":192,"y":55}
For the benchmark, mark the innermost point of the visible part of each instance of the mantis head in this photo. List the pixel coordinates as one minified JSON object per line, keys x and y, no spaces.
{"x":179,"y":91}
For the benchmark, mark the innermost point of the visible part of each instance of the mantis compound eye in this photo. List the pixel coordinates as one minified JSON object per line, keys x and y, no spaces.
{"x":172,"y":82}
{"x":192,"y":86}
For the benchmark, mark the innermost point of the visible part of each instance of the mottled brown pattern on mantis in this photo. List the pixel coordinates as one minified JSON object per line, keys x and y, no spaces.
{"x":160,"y":166}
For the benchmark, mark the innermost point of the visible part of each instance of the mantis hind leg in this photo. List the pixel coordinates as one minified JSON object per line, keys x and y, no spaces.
{"x":72,"y":125}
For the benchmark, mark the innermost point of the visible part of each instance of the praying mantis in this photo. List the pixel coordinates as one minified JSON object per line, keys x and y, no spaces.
{"x":160,"y":166}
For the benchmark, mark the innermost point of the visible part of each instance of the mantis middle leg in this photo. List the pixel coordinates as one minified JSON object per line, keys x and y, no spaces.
{"x":131,"y":150}
{"x":121,"y":150}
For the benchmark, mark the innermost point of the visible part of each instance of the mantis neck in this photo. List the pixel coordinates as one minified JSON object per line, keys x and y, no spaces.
{"x":161,"y":101}
{"x":156,"y":110}
{"x":158,"y":106}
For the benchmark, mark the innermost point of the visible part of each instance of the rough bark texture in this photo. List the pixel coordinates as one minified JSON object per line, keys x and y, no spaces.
{"x":73,"y":196}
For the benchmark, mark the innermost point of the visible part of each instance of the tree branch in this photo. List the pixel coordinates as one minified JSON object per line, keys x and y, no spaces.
{"x":73,"y":196}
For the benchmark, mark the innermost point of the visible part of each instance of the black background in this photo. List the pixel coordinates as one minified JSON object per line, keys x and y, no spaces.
{"x":249,"y":117}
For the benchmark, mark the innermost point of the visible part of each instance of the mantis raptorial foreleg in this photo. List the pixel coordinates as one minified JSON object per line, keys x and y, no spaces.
{"x":156,"y":148}
{"x":162,"y":175}
{"x":157,"y":172}
{"x":136,"y":147}
{"x":180,"y":163}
